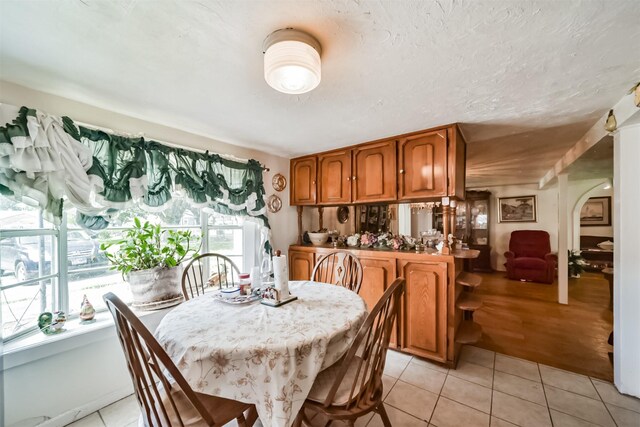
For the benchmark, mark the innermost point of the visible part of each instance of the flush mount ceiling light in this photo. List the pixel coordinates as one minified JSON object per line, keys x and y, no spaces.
{"x":291,"y":61}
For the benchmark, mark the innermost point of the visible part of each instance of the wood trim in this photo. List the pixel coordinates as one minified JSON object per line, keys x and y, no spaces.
{"x":386,"y":138}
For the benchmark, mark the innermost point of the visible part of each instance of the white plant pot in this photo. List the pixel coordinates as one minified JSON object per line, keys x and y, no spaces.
{"x":156,"y":288}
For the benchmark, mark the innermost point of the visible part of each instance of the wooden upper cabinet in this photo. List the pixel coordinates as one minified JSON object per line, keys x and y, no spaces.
{"x":303,"y":181}
{"x":424,"y":314}
{"x":411,"y":167}
{"x":422,"y":165}
{"x":374,"y":169}
{"x":334,"y":177}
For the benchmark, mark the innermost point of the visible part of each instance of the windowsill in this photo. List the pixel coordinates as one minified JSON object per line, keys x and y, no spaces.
{"x":37,"y":346}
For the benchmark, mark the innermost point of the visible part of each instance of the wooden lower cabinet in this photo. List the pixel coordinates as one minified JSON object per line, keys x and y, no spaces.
{"x":377,"y":275}
{"x":428,"y":318}
{"x":424,"y":310}
{"x":301,"y":265}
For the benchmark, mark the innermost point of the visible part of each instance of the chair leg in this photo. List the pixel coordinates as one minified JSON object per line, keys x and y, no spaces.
{"x":252,"y":416}
{"x":242,"y":422}
{"x":383,"y":414}
{"x":298,"y":421}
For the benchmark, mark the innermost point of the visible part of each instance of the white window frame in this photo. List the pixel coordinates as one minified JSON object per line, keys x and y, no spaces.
{"x":59,"y":258}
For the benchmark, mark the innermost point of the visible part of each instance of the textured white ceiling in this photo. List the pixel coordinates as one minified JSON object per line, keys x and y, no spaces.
{"x":527,"y":78}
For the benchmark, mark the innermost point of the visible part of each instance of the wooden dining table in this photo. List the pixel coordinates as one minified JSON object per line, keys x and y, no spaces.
{"x":268,"y":356}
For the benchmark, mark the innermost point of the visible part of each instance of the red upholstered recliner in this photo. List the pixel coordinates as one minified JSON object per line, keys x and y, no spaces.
{"x":529,"y":257}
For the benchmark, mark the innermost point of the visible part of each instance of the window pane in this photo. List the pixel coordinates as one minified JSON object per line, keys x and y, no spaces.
{"x":94,"y":284}
{"x":89,"y":271}
{"x":216,"y":219}
{"x":14,"y":215}
{"x":226,"y":241}
{"x":22,"y":259}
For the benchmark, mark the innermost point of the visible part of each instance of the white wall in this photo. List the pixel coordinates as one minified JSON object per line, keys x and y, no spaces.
{"x":66,"y":377}
{"x":626,"y":287}
{"x":58,"y":384}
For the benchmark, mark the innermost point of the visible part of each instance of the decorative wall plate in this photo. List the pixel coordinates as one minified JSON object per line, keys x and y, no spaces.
{"x":343,"y":214}
{"x":274,"y":204}
{"x":279,"y":182}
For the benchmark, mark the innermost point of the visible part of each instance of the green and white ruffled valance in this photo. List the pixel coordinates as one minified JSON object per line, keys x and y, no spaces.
{"x":45,"y":160}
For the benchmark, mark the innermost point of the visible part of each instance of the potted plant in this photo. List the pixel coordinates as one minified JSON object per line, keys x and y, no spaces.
{"x":149,"y":259}
{"x":576,"y":264}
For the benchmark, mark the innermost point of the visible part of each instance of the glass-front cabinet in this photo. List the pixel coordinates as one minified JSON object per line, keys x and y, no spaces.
{"x":472,"y":227}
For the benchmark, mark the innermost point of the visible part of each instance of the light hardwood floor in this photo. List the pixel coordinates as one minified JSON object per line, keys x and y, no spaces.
{"x":523,"y":319}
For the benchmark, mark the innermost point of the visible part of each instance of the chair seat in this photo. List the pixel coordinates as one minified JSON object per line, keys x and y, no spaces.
{"x":222,"y":410}
{"x":529,"y":263}
{"x":325,"y":380}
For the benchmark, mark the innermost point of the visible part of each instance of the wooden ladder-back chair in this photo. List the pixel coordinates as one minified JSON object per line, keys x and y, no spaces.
{"x":339,"y":268}
{"x":164,"y":396}
{"x":353,"y":387}
{"x":208,"y":271}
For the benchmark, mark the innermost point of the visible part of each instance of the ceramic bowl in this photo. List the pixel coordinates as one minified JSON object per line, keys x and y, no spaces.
{"x":318,"y":238}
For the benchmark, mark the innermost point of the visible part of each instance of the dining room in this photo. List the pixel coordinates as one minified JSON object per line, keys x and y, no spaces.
{"x":223,"y":213}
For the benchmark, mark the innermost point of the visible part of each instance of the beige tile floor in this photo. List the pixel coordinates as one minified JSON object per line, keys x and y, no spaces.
{"x":487,"y":389}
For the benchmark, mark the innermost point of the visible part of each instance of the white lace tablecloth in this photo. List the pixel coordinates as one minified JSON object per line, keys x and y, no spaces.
{"x":262,"y":355}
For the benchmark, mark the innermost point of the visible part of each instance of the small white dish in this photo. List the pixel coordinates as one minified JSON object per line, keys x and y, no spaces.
{"x":229,"y":293}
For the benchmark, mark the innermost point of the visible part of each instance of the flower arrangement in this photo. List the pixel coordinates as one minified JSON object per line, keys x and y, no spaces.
{"x":576,"y":264}
{"x":382,"y":240}
{"x":353,"y":240}
{"x":368,"y":240}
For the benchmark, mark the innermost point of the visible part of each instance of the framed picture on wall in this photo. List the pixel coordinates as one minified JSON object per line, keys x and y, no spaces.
{"x":596,"y":212}
{"x":517,"y":209}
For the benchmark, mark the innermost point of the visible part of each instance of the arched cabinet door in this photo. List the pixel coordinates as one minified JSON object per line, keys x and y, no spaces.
{"x":424,"y":314}
{"x":374,"y":167}
{"x":334,"y":177}
{"x":303,"y":181}
{"x":301,"y":264}
{"x":422,"y":165}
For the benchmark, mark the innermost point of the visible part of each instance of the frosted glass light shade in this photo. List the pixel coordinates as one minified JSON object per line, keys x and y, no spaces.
{"x":292,"y":61}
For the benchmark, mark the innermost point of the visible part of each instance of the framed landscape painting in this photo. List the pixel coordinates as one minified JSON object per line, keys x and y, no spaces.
{"x":596,"y":211}
{"x":517,"y":209}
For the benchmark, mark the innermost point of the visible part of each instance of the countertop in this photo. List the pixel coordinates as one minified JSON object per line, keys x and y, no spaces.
{"x":459,"y":253}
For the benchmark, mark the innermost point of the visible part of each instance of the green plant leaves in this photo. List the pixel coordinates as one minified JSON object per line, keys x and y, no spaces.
{"x":146,"y":246}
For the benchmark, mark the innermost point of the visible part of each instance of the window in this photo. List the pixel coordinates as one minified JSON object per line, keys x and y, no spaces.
{"x":28,"y":266}
{"x":225,"y":236}
{"x":35,"y":277}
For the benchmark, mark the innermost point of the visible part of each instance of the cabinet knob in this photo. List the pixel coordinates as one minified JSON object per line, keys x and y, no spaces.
{"x":353,"y":177}
{"x":401,"y":170}
{"x":313,"y":182}
{"x":348,"y":179}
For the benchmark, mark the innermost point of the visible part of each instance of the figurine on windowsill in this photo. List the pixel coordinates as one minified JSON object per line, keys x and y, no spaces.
{"x":51,"y":324}
{"x":87,"y":312}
